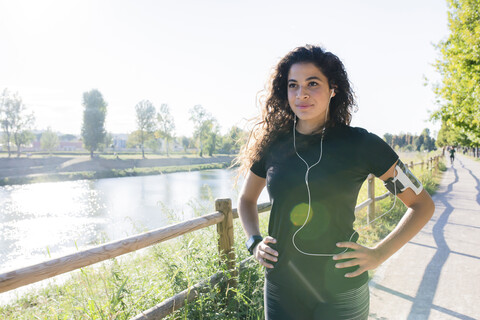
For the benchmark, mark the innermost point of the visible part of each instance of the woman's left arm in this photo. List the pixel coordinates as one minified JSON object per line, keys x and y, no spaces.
{"x":420,"y":210}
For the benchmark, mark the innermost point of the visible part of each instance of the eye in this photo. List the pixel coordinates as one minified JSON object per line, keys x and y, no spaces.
{"x":313,"y":84}
{"x":292,"y":85}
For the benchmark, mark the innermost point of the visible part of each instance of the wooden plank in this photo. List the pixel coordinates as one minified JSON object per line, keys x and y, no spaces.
{"x":20,"y":277}
{"x":371,"y":196}
{"x":363,"y":205}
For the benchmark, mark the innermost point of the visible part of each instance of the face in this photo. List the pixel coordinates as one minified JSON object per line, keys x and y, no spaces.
{"x":308,"y":95}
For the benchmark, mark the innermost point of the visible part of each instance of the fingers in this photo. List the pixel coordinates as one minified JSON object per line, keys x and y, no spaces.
{"x":351,"y":245}
{"x":357,"y":272}
{"x":269,"y":239}
{"x":263,"y":252}
{"x":363,"y":257}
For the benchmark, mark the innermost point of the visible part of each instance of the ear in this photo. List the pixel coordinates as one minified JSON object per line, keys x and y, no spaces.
{"x":333,"y":91}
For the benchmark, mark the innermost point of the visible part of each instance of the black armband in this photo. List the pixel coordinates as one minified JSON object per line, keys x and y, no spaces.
{"x":403,"y":179}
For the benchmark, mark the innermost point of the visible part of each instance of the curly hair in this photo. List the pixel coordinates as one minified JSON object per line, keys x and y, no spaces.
{"x":277,"y":117}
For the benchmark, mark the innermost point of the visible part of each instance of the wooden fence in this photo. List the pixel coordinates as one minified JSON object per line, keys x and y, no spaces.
{"x":222,"y":217}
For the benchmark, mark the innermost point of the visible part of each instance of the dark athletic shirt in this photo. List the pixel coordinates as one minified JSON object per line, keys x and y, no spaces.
{"x":349,"y":155}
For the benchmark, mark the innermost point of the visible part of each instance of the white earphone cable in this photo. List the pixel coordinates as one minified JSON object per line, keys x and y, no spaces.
{"x":309,"y":195}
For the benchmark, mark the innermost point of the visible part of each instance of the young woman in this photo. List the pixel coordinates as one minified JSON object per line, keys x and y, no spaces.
{"x":313,"y":164}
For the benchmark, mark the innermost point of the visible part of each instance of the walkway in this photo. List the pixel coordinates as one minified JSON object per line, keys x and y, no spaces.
{"x":437,"y":274}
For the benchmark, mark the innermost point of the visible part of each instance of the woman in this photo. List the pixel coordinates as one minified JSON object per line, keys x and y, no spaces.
{"x":313,"y":164}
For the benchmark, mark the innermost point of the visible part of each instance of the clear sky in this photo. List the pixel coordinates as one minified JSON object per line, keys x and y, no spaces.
{"x":214,"y":53}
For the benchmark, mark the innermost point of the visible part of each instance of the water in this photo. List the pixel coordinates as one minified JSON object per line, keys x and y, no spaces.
{"x":48,"y":220}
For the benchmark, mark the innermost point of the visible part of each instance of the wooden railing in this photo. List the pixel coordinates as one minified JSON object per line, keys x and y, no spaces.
{"x":222,"y":217}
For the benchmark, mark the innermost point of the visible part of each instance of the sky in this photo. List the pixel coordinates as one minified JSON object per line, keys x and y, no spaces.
{"x":218,"y":54}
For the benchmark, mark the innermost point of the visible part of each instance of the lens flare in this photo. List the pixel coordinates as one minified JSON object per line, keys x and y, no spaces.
{"x":299,"y":214}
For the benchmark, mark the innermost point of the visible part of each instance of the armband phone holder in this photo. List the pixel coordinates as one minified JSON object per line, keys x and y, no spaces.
{"x":403,"y":179}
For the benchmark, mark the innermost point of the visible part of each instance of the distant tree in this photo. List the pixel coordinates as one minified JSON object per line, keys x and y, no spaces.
{"x":409,"y":142}
{"x":205,"y":127}
{"x":22,"y":139}
{"x":145,"y":121}
{"x":4,"y":121}
{"x":459,"y":91}
{"x":15,"y":121}
{"x":388,"y":139}
{"x":152,"y":144}
{"x":185,"y":143}
{"x":213,"y":135}
{"x":238,"y":137}
{"x":67,"y":137}
{"x":93,"y":127}
{"x":166,"y":124}
{"x":49,"y":141}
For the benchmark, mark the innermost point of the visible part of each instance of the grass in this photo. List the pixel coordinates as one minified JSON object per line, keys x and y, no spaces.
{"x":113,"y":173}
{"x":123,"y":287}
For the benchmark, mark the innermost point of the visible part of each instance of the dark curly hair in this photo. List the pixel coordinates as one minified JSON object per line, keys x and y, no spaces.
{"x":277,"y":117}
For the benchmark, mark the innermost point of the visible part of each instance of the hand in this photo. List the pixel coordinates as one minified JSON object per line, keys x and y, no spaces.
{"x":263,"y":251}
{"x":363,"y":257}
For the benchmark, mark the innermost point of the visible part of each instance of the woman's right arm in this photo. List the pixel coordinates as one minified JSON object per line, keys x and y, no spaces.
{"x":248,"y":214}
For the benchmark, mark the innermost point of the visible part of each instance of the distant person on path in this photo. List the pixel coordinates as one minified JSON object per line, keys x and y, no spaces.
{"x":452,"y":155}
{"x":313,"y":164}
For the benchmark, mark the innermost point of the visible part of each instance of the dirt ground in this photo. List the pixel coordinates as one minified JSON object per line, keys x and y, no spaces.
{"x":18,"y":167}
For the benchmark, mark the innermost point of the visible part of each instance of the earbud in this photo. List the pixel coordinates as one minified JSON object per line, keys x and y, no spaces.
{"x":333,"y":91}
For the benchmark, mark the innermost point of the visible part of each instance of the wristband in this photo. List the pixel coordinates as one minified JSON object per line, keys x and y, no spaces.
{"x":252,"y":242}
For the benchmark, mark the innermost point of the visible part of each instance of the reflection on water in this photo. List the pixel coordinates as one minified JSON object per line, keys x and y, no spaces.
{"x":45,"y":220}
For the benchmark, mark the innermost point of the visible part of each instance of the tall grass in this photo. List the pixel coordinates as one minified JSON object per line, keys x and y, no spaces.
{"x":123,"y":287}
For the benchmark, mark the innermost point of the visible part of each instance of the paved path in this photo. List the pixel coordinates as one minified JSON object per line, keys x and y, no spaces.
{"x":437,"y":274}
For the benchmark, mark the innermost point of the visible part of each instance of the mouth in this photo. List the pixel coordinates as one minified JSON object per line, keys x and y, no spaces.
{"x":303,"y":106}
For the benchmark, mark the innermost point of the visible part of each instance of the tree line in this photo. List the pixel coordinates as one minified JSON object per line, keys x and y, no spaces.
{"x":409,"y":142}
{"x":458,"y":92}
{"x":157,"y":126}
{"x":153,"y":127}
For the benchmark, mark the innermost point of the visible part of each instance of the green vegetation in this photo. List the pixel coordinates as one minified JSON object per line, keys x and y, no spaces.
{"x":121,"y":288}
{"x":113,"y":173}
{"x":459,"y":67}
{"x":93,"y":126}
{"x":15,"y":122}
{"x":408,"y":142}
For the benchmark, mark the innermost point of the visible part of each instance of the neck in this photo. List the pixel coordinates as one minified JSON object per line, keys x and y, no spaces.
{"x":309,"y":128}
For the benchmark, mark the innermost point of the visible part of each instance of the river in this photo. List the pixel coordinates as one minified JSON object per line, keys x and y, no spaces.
{"x":47,"y":220}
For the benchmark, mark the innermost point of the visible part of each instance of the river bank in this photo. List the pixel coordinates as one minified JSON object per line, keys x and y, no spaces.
{"x":60,"y":168}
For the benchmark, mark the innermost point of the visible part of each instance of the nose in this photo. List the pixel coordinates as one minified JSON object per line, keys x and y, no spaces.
{"x":302,"y":93}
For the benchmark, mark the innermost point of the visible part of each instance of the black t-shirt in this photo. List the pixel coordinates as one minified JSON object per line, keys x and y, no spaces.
{"x":349,"y":155}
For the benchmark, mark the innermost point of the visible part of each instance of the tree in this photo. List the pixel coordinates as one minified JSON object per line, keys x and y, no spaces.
{"x":49,"y":141}
{"x":185,"y":143}
{"x":93,"y":127}
{"x":67,"y":137}
{"x":213,"y":132}
{"x":145,"y":121}
{"x":15,"y":121}
{"x":388,"y":139}
{"x":459,"y":66}
{"x":166,"y":124}
{"x":204,"y":125}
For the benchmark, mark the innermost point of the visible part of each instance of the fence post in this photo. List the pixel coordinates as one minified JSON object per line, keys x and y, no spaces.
{"x":225,"y":240}
{"x":371,"y":195}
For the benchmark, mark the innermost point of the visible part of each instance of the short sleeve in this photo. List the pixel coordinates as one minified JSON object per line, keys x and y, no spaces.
{"x":378,"y":154}
{"x":258,"y":167}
